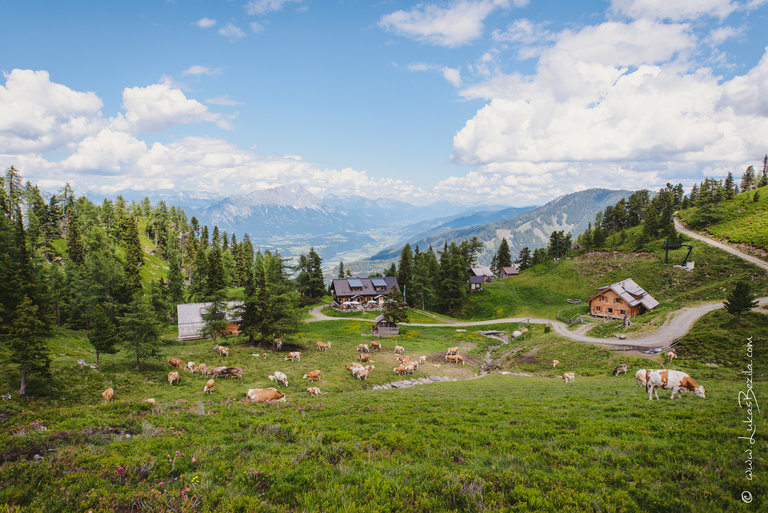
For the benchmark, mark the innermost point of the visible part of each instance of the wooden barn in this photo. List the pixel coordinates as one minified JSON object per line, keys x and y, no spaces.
{"x":625,"y":298}
{"x":481,"y":271}
{"x":476,"y":283}
{"x":190,"y":319}
{"x":506,"y":272}
{"x":357,"y":293}
{"x":386,"y":327}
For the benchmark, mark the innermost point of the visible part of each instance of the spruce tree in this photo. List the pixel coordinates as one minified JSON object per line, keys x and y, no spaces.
{"x":140,"y":330}
{"x":453,"y":271}
{"x":75,"y":246}
{"x":740,"y":300}
{"x":134,"y":255}
{"x":764,"y":175}
{"x":524,"y":259}
{"x":175,"y":279}
{"x":215,"y":273}
{"x":405,"y":272}
{"x":341,"y":270}
{"x":503,"y":255}
{"x":215,"y":323}
{"x":748,"y":179}
{"x":395,"y":307}
{"x":26,"y":342}
{"x":103,"y":335}
{"x":728,"y":186}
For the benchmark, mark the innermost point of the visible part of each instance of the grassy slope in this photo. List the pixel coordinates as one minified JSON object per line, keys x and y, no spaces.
{"x":542,"y":290}
{"x":743,"y":219}
{"x":500,"y":442}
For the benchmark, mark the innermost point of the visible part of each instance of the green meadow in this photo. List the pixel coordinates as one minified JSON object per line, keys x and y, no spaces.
{"x":499,"y":442}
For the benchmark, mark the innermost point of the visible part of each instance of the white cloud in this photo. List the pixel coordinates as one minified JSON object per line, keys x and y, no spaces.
{"x":617,"y":105}
{"x":257,"y":27}
{"x":456,"y":25}
{"x":673,"y":9}
{"x":719,"y":35}
{"x":40,"y":115}
{"x":232,"y":32}
{"x":452,"y":75}
{"x":109,"y":151}
{"x":261,"y":7}
{"x":159,"y":106}
{"x":197,"y":70}
{"x":205,"y":23}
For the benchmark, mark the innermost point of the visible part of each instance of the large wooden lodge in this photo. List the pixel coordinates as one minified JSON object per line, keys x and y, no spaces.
{"x":355,"y":293}
{"x":621,"y":299}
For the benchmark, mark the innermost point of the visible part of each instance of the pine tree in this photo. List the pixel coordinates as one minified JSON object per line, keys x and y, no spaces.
{"x":728,"y":186}
{"x":139,"y":329}
{"x":748,"y":179}
{"x":175,"y":279}
{"x":26,"y":342}
{"x":405,"y":272}
{"x":503,"y":255}
{"x":134,"y":255}
{"x":422,"y":290}
{"x":764,"y":175}
{"x":341,"y":270}
{"x":75,"y":246}
{"x":740,"y":300}
{"x":215,"y":322}
{"x":103,"y":336}
{"x":453,"y":272}
{"x":524,"y":259}
{"x":395,"y":307}
{"x":214,"y":282}
{"x":391,"y":271}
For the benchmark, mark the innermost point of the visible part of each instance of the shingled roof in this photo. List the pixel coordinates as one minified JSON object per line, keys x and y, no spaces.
{"x":630,"y":292}
{"x":343,"y":289}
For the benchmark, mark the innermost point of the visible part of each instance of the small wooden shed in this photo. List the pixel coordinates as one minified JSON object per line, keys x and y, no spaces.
{"x":386,"y":327}
{"x":506,"y":272}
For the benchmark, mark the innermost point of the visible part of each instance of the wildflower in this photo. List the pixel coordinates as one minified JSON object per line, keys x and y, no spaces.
{"x":193,"y":459}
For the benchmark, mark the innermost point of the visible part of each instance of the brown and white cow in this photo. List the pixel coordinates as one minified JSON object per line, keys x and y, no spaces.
{"x":173,"y":376}
{"x":322,"y":346}
{"x":640,"y":377}
{"x":451,"y":351}
{"x":208,"y":388}
{"x":279,"y":376}
{"x":315,"y":374}
{"x":150,"y":400}
{"x":364,"y":357}
{"x":202,"y":369}
{"x":678,"y":381}
{"x":313,"y":391}
{"x":223,"y":351}
{"x":568,"y":377}
{"x":399,"y":350}
{"x":265,"y":395}
{"x":107,"y":395}
{"x":621,"y":368}
{"x":376,"y":345}
{"x":404,"y":358}
{"x":669,"y":356}
{"x":191,"y":367}
{"x":363,"y":348}
{"x":455,"y":358}
{"x":354,"y":367}
{"x":293,"y":355}
{"x":555,"y":363}
{"x":400,"y":369}
{"x":175,"y":362}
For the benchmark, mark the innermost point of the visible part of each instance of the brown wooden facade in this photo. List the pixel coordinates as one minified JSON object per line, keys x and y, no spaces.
{"x":608,"y":304}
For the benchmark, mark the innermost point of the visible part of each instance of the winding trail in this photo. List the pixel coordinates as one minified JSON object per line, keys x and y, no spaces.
{"x":677,"y":324}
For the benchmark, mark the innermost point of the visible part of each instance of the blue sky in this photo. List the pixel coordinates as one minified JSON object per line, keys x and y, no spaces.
{"x":512,"y":101}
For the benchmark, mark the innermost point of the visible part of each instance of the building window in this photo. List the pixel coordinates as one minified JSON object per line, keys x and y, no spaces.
{"x":610,"y":310}
{"x":623,"y":312}
{"x":618,"y":300}
{"x":597,"y":309}
{"x":602,"y":298}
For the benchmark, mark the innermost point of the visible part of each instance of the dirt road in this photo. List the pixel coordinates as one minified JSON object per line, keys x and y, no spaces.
{"x":677,"y":324}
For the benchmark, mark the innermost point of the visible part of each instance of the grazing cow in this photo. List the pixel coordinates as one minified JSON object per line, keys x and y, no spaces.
{"x":294,"y":355}
{"x":265,"y":395}
{"x":399,"y":350}
{"x":279,"y":376}
{"x":363,"y":374}
{"x":322,"y":346}
{"x":202,"y":369}
{"x":107,"y":395}
{"x":150,"y":400}
{"x":422,"y":360}
{"x":216,"y":371}
{"x":208,"y":388}
{"x":223,"y":351}
{"x":232,"y":372}
{"x":555,"y":363}
{"x":669,"y":356}
{"x":404,"y":358}
{"x":173,"y":376}
{"x":640,"y":377}
{"x":363,"y":348}
{"x":315,"y":374}
{"x":678,"y":381}
{"x":621,"y":368}
{"x":191,"y":367}
{"x":568,"y":377}
{"x":278,"y":343}
{"x":175,"y":362}
{"x":364,"y":357}
{"x":362,"y":370}
{"x":455,"y":358}
{"x":313,"y":391}
{"x":400,"y":369}
{"x":376,"y":345}
{"x":354,"y":367}
{"x":452,"y":350}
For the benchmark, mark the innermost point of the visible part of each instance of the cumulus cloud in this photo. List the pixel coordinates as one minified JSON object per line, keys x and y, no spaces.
{"x":452,"y":75}
{"x":197,"y":70}
{"x":616,"y":104}
{"x":261,"y":7}
{"x":232,"y":32}
{"x":223,"y":100}
{"x":205,"y":23}
{"x":40,"y":115}
{"x":676,"y":10}
{"x":456,"y":25}
{"x":159,"y":106}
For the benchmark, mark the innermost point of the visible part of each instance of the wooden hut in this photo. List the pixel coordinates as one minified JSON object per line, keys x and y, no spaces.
{"x":624,"y":298}
{"x":386,"y":327}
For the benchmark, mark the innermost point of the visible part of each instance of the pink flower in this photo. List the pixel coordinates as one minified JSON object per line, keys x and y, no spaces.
{"x":193,"y":459}
{"x":161,"y":483}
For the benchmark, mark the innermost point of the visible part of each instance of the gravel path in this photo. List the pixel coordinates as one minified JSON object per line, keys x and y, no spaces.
{"x":677,"y":324}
